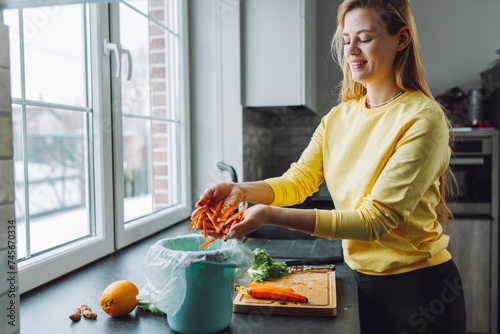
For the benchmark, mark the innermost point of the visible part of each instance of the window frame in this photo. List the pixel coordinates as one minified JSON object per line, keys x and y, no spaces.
{"x":127,"y":233}
{"x":61,"y":260}
{"x":111,"y":233}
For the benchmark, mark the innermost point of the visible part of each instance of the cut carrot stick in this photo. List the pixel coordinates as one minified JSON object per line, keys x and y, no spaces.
{"x":199,"y":223}
{"x":217,"y":209}
{"x":200,"y":212}
{"x":238,"y":214}
{"x":226,"y":214}
{"x":208,"y":242}
{"x":212,"y":218}
{"x":192,"y":225}
{"x":205,"y":230}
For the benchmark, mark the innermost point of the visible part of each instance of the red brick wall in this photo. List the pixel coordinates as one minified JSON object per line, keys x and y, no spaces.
{"x":161,"y":168}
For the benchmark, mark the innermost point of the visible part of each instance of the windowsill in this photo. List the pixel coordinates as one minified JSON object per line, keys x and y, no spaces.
{"x":46,"y":309}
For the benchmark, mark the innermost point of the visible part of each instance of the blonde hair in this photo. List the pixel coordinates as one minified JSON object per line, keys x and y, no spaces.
{"x":396,"y":14}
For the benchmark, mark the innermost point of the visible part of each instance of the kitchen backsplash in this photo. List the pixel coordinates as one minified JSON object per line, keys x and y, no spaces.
{"x":273,"y":140}
{"x":9,"y":296}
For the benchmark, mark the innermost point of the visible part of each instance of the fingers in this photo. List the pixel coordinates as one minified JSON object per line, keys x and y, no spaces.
{"x":215,"y":235}
{"x":195,"y":212}
{"x":253,"y":218}
{"x":240,"y":229}
{"x":205,"y":198}
{"x":217,"y":193}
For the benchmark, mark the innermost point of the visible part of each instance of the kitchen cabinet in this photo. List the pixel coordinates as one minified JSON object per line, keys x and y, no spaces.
{"x":470,"y":246}
{"x":279,"y":55}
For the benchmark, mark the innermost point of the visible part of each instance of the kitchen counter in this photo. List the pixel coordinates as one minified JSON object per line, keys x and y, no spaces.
{"x":46,"y":309}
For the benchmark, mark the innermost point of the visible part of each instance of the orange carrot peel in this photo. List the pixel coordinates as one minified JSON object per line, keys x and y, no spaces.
{"x":254,"y":284}
{"x":213,"y":218}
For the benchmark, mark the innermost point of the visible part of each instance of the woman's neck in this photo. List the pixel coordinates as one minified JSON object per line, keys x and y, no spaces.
{"x":377,"y":95}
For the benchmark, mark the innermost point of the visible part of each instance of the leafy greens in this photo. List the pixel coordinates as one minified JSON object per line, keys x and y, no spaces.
{"x":265,"y":267}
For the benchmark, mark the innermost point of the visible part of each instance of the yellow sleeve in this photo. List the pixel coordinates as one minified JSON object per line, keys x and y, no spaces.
{"x":303,"y":177}
{"x":420,"y":157}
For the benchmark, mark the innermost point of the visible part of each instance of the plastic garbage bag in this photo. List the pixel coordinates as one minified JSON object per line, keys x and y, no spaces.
{"x":166,"y":262}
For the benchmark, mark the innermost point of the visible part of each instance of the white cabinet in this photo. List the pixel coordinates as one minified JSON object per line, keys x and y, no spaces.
{"x":279,"y":54}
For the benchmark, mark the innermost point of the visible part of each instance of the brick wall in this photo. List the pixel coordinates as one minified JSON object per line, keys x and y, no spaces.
{"x":159,"y":89}
{"x":9,"y":297}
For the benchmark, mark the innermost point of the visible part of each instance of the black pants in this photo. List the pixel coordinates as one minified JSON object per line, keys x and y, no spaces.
{"x":429,"y":300}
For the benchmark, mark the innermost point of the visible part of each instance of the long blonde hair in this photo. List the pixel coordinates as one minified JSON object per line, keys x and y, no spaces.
{"x":396,"y":14}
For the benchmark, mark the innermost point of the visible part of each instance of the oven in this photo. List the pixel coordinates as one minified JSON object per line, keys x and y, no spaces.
{"x":472,"y":167}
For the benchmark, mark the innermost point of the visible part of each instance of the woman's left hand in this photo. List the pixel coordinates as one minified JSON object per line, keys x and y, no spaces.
{"x":253,"y":218}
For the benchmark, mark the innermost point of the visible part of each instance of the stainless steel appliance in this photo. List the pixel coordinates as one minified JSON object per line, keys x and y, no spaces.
{"x":474,"y":233}
{"x":473,"y":170}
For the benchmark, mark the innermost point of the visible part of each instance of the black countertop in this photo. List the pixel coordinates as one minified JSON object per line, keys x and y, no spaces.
{"x":46,"y":309}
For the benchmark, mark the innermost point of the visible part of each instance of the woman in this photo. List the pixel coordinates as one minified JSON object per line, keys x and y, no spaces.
{"x":383,"y":153}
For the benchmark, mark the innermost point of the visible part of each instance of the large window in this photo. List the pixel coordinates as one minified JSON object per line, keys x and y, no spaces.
{"x":52,"y":119}
{"x":100,"y":129}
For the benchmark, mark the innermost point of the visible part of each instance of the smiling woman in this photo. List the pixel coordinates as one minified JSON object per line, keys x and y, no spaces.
{"x":370,"y":51}
{"x":383,"y":153}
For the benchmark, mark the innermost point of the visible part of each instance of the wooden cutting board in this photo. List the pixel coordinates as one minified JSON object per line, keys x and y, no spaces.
{"x":317,"y":285}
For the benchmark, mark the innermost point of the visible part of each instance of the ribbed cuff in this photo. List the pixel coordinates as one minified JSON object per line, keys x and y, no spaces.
{"x":326,"y":224}
{"x":276,"y":184}
{"x":350,"y":225}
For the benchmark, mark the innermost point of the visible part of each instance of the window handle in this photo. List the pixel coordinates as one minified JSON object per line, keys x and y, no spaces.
{"x":108,"y":47}
{"x":129,"y":57}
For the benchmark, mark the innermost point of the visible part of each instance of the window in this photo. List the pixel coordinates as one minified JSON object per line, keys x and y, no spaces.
{"x":149,"y":158}
{"x":99,"y":142}
{"x":52,"y":121}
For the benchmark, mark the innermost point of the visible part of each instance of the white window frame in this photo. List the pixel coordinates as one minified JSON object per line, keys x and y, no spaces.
{"x":110,"y":231}
{"x":50,"y":265}
{"x":127,"y":233}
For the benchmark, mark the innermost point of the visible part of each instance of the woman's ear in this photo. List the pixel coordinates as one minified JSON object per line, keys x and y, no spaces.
{"x":404,"y":38}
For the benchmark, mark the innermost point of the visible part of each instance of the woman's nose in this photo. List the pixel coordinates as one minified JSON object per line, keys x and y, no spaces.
{"x":352,"y":49}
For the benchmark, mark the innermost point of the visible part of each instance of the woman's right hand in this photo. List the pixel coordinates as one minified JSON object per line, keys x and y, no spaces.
{"x":230,"y":193}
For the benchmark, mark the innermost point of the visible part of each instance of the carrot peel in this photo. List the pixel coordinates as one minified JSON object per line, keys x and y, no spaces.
{"x":254,"y":284}
{"x":212,"y":218}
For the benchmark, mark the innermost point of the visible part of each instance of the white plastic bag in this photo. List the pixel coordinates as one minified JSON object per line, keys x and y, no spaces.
{"x":167,"y":259}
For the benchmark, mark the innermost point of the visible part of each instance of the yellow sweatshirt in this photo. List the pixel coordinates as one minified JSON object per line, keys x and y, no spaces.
{"x":382,"y":169}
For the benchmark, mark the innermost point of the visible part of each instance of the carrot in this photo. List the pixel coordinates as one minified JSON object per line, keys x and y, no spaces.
{"x":227,"y":212}
{"x":271,"y":292}
{"x":200,"y":212}
{"x":211,"y":218}
{"x":205,"y":230}
{"x":192,"y":225}
{"x":254,"y":284}
{"x":217,"y":209}
{"x":237,"y":215}
{"x":208,"y":242}
{"x":199,"y":223}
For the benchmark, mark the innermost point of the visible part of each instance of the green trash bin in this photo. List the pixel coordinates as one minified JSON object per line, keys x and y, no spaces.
{"x":195,"y":287}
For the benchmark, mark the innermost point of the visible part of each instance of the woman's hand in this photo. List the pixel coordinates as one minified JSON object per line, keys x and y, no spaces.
{"x":230,"y":193}
{"x":303,"y":220}
{"x":253,"y":218}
